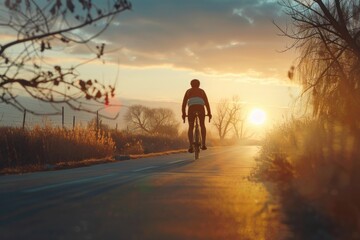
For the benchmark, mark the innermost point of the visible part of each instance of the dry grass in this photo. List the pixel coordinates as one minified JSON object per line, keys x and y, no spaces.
{"x":127,"y":143}
{"x":51,"y":145}
{"x":319,"y":164}
{"x":51,"y":148}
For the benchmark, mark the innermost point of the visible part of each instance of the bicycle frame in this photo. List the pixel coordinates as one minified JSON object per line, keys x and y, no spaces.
{"x":196,"y":136}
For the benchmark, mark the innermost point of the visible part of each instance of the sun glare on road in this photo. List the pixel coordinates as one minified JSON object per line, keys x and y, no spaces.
{"x":257,"y":116}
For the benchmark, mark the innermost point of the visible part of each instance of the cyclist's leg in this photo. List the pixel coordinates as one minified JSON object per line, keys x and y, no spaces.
{"x":191,"y":133}
{"x":203,"y":133}
{"x":191,"y":120}
{"x":203,"y":128}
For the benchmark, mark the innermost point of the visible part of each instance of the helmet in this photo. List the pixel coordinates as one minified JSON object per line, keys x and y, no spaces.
{"x":195,"y":83}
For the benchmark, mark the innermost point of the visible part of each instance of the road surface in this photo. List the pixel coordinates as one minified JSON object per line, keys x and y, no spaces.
{"x":167,"y":197}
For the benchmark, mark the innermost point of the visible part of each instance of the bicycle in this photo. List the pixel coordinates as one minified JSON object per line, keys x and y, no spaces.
{"x":196,"y":136}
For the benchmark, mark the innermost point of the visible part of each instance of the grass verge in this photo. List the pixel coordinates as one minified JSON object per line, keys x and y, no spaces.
{"x":315,"y":166}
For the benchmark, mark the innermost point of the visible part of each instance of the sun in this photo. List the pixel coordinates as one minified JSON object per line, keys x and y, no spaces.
{"x":257,"y":116}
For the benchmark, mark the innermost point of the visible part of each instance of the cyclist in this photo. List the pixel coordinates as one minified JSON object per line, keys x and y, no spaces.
{"x":196,"y":99}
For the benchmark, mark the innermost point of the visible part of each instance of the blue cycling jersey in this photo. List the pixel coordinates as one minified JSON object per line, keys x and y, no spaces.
{"x":195,"y":101}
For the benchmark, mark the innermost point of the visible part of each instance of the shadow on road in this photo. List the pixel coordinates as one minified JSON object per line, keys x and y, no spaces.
{"x":304,"y":221}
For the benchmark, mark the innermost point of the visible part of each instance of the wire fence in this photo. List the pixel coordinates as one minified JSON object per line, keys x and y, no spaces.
{"x":66,"y":119}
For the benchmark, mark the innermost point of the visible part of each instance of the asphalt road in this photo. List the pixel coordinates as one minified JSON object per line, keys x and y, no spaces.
{"x":167,"y":197}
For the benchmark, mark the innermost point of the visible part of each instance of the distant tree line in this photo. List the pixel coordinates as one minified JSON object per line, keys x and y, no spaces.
{"x":152,"y":121}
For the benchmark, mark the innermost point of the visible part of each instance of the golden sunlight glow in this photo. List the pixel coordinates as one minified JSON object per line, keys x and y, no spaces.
{"x":257,"y":116}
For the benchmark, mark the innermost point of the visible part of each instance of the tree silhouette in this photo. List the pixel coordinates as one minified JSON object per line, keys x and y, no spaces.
{"x":152,"y":121}
{"x":38,"y":31}
{"x":228,"y":117}
{"x":327,"y":34}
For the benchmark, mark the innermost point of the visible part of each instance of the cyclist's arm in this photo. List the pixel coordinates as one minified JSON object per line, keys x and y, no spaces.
{"x":185,"y":100}
{"x":207,"y":105}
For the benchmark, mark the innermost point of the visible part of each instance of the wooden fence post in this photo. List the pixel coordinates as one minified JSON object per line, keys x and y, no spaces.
{"x":97,"y":120}
{"x":97,"y":124}
{"x":24,"y":118}
{"x":62,"y":117}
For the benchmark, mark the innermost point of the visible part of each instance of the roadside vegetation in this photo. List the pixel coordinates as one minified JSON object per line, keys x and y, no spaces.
{"x":314,"y":161}
{"x":156,"y":130}
{"x":49,"y":145}
{"x":38,"y":147}
{"x":148,"y":131}
{"x":128,"y":143}
{"x":316,"y":169}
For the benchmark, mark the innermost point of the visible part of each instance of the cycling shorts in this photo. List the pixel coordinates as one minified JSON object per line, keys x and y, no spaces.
{"x":196,"y":108}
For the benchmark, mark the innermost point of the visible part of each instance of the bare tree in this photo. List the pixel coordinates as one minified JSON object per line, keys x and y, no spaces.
{"x":220,"y":119}
{"x":327,"y":34}
{"x":163,"y":122}
{"x":152,"y":121}
{"x":39,"y":29}
{"x":228,"y":117}
{"x":238,"y":118}
{"x":137,"y":118}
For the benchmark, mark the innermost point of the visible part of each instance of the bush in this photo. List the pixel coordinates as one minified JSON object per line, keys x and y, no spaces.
{"x":127,"y":143}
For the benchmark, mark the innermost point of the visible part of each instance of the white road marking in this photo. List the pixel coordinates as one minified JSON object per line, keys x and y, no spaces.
{"x":177,"y":161}
{"x":31,"y":190}
{"x":143,"y":169}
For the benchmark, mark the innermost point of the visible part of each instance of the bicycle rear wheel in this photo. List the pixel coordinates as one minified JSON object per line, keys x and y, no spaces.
{"x":197,"y":143}
{"x":197,"y":153}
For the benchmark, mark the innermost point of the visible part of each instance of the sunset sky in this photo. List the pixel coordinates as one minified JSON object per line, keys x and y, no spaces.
{"x":231,"y":46}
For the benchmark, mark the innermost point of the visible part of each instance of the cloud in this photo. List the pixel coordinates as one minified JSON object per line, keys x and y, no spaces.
{"x":6,"y":37}
{"x":240,"y":13}
{"x":202,"y":35}
{"x":221,"y":36}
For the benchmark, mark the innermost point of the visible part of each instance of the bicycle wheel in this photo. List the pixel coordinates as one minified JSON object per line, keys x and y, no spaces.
{"x":197,"y":143}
